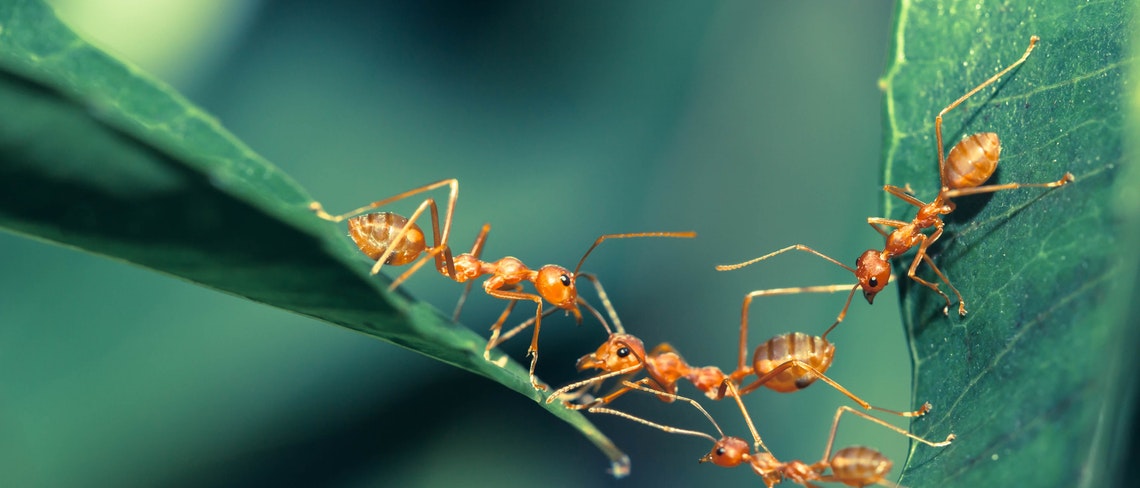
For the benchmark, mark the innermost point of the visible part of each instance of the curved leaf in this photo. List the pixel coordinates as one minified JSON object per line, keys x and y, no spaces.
{"x":95,"y":155}
{"x":1030,"y":380}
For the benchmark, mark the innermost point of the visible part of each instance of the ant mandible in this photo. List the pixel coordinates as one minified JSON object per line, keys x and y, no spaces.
{"x":785,"y":363}
{"x":852,"y":466}
{"x":393,"y":239}
{"x":970,"y":163}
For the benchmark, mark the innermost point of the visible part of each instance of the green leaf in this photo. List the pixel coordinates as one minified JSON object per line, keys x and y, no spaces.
{"x":1034,"y":378}
{"x":98,"y":156}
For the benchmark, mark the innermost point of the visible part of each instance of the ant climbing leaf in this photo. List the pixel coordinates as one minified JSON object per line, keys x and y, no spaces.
{"x":1034,"y":381}
{"x":146,"y":177}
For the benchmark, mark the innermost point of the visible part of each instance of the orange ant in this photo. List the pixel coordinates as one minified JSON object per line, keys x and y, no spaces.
{"x":852,"y":466}
{"x":393,"y":239}
{"x":785,"y":363}
{"x":970,"y":163}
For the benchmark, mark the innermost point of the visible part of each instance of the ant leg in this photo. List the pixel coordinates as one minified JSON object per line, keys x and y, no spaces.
{"x":496,"y":328}
{"x":1068,"y":178}
{"x":433,"y":252}
{"x":521,"y":327}
{"x":937,"y":271}
{"x":922,"y":256}
{"x":626,"y":388}
{"x":938,"y":120}
{"x":403,"y":232}
{"x":877,"y":222}
{"x":664,"y":428}
{"x":904,"y":194}
{"x":532,"y":351}
{"x":594,"y":381}
{"x":317,"y":208}
{"x":757,"y":443}
{"x":476,"y":251}
{"x":462,"y":300}
{"x":845,"y":409}
{"x":795,"y":363}
{"x":742,"y":368}
{"x":796,"y":247}
{"x":440,"y":239}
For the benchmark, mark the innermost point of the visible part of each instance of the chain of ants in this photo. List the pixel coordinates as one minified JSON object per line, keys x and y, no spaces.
{"x":784,"y":363}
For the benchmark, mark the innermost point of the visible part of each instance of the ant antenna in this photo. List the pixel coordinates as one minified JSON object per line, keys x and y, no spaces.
{"x":605,"y":298}
{"x":626,"y":236}
{"x":671,"y":430}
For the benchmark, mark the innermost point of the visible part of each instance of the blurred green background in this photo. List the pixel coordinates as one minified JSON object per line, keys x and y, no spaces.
{"x":757,"y":125}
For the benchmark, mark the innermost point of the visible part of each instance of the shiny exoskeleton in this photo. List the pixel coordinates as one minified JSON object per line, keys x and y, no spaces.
{"x":392,"y":239}
{"x":853,"y":466}
{"x":785,"y":363}
{"x":970,"y":163}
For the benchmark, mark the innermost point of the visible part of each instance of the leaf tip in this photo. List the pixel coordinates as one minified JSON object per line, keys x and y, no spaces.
{"x":620,"y":468}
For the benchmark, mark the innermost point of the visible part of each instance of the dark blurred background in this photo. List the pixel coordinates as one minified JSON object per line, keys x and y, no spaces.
{"x":757,"y":125}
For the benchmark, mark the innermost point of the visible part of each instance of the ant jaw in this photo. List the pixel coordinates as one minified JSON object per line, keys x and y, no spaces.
{"x":577,"y":313}
{"x":870,"y":296}
{"x":589,"y":361}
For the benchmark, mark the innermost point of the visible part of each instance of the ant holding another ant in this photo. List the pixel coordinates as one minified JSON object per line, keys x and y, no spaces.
{"x":852,"y":466}
{"x":970,"y":163}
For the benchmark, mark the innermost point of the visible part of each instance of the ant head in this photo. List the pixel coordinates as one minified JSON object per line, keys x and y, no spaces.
{"x":556,"y":285}
{"x":873,"y":273}
{"x":728,"y":452}
{"x":619,"y":352}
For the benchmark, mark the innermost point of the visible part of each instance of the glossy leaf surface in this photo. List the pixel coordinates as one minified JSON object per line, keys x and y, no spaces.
{"x":1030,"y":380}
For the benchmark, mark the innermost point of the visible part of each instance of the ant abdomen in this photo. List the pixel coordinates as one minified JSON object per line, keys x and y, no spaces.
{"x":373,"y":233}
{"x":813,"y":350}
{"x":972,"y":161}
{"x":859,"y":466}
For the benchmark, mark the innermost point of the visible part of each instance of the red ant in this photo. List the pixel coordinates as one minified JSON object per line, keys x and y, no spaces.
{"x":785,"y":363}
{"x":852,"y":466}
{"x":393,"y":239}
{"x":970,"y":163}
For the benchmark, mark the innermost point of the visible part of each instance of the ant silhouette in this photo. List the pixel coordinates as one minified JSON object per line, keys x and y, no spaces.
{"x":970,"y":163}
{"x":785,"y":363}
{"x":392,"y":239}
{"x":852,"y":466}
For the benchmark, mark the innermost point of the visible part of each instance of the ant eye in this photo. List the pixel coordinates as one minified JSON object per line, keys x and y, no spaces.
{"x":720,"y":451}
{"x":623,"y":352}
{"x":874,"y":282}
{"x":565,"y":280}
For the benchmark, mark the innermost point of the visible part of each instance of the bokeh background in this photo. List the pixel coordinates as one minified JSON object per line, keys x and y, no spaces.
{"x":757,"y":125}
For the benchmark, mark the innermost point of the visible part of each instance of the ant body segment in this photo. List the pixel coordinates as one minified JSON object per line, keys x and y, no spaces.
{"x":392,"y":239}
{"x":785,"y":363}
{"x":852,"y":466}
{"x":970,"y":163}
